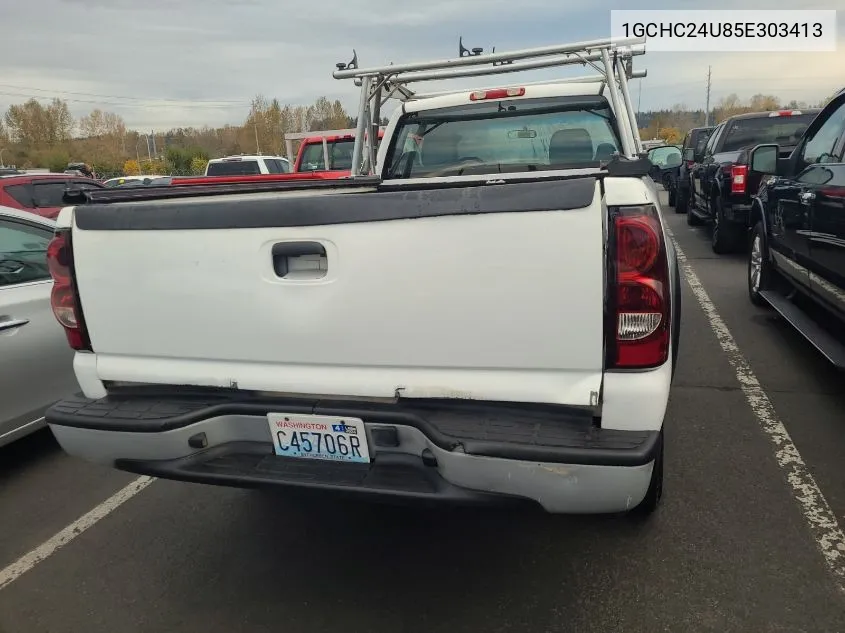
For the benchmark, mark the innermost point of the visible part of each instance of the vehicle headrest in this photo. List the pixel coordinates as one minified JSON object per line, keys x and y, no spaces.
{"x":440,"y":149}
{"x":572,"y":145}
{"x":605,"y":151}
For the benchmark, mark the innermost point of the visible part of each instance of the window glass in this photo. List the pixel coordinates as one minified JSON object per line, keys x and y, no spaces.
{"x":49,"y":194}
{"x":783,"y":130}
{"x":700,"y":141}
{"x":504,"y":136}
{"x":233,"y":168}
{"x":277,"y":166}
{"x":312,"y":158}
{"x":23,"y":253}
{"x":708,"y":148}
{"x":821,"y":146}
{"x":22,"y":194}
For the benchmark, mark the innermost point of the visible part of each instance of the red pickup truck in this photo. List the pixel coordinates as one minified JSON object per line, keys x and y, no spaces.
{"x":319,"y":149}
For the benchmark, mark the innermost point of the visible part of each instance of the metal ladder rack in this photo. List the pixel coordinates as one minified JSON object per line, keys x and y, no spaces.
{"x":611,"y":57}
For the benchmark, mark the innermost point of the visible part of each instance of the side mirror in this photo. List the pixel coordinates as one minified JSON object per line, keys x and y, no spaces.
{"x":689,"y":154}
{"x":764,"y":159}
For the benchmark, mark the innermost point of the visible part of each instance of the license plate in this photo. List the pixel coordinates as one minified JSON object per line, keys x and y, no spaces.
{"x":319,"y":437}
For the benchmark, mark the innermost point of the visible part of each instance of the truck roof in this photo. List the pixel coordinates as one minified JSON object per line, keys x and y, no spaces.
{"x":332,"y":138}
{"x":237,"y":157}
{"x":531,"y":91}
{"x":773,"y":113}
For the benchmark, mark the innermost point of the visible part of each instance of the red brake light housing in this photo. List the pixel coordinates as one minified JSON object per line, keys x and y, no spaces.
{"x":739,"y":178}
{"x":639,"y":297}
{"x":498,"y":93}
{"x":64,"y":298}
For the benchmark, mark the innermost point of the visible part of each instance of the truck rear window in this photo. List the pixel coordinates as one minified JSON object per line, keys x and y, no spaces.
{"x":504,"y":136}
{"x":233,"y":168}
{"x":783,"y":130}
{"x":340,"y":156}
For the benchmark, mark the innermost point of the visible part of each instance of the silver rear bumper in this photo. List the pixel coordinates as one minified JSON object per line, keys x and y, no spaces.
{"x":239,"y":452}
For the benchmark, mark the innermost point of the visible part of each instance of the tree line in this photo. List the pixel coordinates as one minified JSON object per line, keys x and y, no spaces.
{"x":34,"y":135}
{"x":672,"y":124}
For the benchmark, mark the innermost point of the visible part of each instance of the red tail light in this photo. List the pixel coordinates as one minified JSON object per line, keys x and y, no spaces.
{"x":63,"y":298}
{"x":640,"y":292}
{"x":739,"y":176}
{"x":499,"y":93}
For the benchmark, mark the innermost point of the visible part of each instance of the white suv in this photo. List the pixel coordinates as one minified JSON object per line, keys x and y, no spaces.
{"x":247,"y":165}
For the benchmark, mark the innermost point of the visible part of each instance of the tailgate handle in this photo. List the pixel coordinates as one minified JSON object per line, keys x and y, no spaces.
{"x":300,"y":260}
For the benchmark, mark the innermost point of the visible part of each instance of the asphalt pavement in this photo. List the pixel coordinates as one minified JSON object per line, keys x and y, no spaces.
{"x":730,"y":549}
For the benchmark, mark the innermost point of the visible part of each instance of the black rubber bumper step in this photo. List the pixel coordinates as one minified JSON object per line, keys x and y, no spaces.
{"x":251,"y":465}
{"x":523,"y":431}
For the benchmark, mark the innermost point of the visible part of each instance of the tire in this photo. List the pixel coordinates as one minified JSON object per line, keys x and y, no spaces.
{"x":758,"y":257}
{"x":673,"y":196}
{"x":692,"y":219}
{"x":681,"y":201}
{"x":654,"y":494}
{"x":724,"y":236}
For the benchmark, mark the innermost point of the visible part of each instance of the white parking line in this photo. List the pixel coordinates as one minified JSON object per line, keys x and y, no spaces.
{"x":40,"y":553}
{"x":821,"y":519}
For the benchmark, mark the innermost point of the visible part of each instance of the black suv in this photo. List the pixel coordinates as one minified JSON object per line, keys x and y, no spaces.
{"x":722,"y":186}
{"x":692,"y":150}
{"x":796,"y":262}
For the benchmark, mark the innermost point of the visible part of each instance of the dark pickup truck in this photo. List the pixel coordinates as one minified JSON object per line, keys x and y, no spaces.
{"x":721,"y":185}
{"x":692,"y":150}
{"x":796,"y":262}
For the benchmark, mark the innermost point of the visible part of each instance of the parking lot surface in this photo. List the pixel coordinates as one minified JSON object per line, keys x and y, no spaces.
{"x":730,"y":549}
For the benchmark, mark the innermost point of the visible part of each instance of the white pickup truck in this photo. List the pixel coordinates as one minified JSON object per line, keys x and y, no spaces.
{"x":490,"y":315}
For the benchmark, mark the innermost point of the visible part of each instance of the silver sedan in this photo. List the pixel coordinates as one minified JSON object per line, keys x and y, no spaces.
{"x":36,"y":362}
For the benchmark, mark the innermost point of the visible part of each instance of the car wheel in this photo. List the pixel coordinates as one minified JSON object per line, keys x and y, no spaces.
{"x":692,"y":218}
{"x":725,"y":235}
{"x":673,"y":195}
{"x":654,"y":493}
{"x":681,"y":201}
{"x":760,"y":271}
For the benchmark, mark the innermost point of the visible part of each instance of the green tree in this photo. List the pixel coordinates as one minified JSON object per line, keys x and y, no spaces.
{"x":198,"y":164}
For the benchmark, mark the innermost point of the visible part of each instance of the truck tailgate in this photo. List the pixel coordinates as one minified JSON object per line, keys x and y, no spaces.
{"x":487,"y":292}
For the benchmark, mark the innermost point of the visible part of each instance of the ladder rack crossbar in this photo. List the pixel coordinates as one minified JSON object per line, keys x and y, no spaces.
{"x":547,"y":62}
{"x":586,"y":48}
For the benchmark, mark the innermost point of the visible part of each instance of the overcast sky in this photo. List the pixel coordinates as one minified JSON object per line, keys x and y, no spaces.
{"x":168,"y":63}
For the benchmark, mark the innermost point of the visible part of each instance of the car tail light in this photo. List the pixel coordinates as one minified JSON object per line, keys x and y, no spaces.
{"x":739,"y":178}
{"x":64,"y":299}
{"x":499,"y":93}
{"x":785,"y":113}
{"x":639,"y":290}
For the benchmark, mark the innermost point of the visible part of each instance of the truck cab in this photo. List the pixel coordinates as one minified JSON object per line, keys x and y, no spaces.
{"x":326,"y":151}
